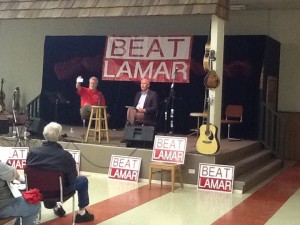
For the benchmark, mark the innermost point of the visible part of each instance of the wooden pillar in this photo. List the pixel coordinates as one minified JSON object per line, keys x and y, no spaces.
{"x":217,"y":44}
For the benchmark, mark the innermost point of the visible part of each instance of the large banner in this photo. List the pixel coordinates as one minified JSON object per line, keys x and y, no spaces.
{"x":158,"y":58}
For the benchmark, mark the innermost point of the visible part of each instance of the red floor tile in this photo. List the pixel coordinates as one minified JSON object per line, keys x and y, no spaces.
{"x":264,"y":203}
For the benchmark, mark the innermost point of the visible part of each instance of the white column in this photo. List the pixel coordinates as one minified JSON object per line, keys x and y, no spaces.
{"x":217,"y":44}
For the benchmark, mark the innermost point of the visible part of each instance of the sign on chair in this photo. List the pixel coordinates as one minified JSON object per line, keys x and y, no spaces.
{"x":169,"y":149}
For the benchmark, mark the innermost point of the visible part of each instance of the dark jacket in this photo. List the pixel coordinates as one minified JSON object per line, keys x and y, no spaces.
{"x":151,"y":106}
{"x":52,"y":156}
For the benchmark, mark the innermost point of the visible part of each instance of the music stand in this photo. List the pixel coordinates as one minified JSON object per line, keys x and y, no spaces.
{"x":56,"y":98}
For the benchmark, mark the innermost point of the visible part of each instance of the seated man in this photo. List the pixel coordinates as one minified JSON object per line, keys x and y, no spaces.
{"x":89,"y":96}
{"x":52,"y":156}
{"x":144,"y":107}
{"x":11,"y":206}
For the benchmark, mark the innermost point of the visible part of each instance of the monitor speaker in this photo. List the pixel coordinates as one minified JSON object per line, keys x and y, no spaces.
{"x":36,"y":126}
{"x":139,"y":136}
{"x":4,"y":126}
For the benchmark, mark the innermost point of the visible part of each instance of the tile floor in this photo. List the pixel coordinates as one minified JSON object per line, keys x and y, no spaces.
{"x":275,"y":202}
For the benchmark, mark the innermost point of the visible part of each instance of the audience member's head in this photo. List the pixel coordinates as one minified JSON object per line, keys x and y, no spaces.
{"x":52,"y":131}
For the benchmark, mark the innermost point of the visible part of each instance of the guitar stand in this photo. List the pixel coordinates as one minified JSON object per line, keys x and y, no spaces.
{"x":20,"y":141}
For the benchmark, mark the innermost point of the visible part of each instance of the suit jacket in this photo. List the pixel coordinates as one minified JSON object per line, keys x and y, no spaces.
{"x":151,"y":106}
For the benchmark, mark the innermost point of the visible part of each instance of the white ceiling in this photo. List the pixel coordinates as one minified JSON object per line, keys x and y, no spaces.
{"x":267,"y":4}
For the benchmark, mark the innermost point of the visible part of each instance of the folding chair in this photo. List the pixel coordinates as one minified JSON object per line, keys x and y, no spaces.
{"x":233,"y":115}
{"x":50,"y":184}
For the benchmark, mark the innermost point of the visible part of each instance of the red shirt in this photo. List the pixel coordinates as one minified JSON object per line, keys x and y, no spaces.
{"x":90,"y":97}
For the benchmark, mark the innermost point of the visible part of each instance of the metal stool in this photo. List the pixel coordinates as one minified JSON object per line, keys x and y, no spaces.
{"x":198,"y":115}
{"x":99,"y":116}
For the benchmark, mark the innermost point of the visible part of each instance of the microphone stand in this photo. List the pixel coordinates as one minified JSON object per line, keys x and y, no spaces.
{"x":171,"y":98}
{"x":166,"y":114}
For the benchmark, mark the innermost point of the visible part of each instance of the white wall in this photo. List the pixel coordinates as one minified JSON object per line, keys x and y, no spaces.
{"x":22,"y":44}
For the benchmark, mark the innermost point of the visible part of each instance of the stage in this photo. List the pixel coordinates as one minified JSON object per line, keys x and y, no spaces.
{"x":95,"y":157}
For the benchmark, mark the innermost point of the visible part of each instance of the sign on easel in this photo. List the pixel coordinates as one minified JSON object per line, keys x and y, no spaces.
{"x":124,"y":168}
{"x":15,"y":156}
{"x":215,"y":177}
{"x":169,"y":149}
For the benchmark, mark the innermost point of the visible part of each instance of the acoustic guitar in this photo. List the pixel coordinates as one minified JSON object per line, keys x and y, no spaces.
{"x":207,"y":142}
{"x":211,"y":80}
{"x":2,"y":98}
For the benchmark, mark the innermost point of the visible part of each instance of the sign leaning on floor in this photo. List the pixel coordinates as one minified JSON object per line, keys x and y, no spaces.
{"x":215,"y":177}
{"x":124,"y":168}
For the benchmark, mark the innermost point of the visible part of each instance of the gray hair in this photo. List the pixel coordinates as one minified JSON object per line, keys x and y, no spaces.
{"x":94,"y":78}
{"x":52,"y":131}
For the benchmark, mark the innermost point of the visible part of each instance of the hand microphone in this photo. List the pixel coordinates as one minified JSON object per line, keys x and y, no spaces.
{"x":176,"y":69}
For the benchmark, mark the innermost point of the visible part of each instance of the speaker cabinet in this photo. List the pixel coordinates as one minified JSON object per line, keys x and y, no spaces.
{"x":139,"y":136}
{"x":4,"y":126}
{"x":36,"y":126}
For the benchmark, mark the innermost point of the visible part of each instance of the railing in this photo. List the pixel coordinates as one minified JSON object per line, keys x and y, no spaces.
{"x":33,"y":107}
{"x":272,"y":131}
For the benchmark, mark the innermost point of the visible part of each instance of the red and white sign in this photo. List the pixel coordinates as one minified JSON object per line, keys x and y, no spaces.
{"x":158,"y":58}
{"x":215,"y":177}
{"x":15,"y":156}
{"x":124,"y":168}
{"x":76,"y":156}
{"x":169,"y":149}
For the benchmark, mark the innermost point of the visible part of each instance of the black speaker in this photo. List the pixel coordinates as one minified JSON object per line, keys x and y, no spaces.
{"x":36,"y":126}
{"x":139,"y":136}
{"x":4,"y":126}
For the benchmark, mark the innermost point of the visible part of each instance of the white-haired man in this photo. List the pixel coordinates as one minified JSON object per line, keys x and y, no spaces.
{"x":52,"y":156}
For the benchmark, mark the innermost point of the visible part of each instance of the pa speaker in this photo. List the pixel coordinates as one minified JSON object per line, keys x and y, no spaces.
{"x":36,"y":126}
{"x":4,"y":126}
{"x":139,"y":136}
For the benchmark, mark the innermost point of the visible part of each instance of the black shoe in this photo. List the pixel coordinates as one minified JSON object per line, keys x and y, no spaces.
{"x":59,"y":212}
{"x":84,"y":218}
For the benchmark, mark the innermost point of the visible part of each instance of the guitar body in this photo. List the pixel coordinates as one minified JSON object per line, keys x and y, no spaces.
{"x":207,"y":142}
{"x":211,"y":80}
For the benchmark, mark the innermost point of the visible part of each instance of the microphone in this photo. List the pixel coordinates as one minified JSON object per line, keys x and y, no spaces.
{"x":16,"y":91}
{"x":176,"y":69}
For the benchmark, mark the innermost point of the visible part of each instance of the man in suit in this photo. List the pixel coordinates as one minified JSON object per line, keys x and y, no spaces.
{"x":144,"y":107}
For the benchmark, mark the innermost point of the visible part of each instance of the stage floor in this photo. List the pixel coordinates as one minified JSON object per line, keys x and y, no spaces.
{"x":77,"y":134}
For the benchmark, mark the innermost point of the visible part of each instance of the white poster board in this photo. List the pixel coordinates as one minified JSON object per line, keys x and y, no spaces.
{"x":124,"y":168}
{"x":15,"y":156}
{"x":169,"y":149}
{"x":76,"y":156}
{"x":215,"y":177}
